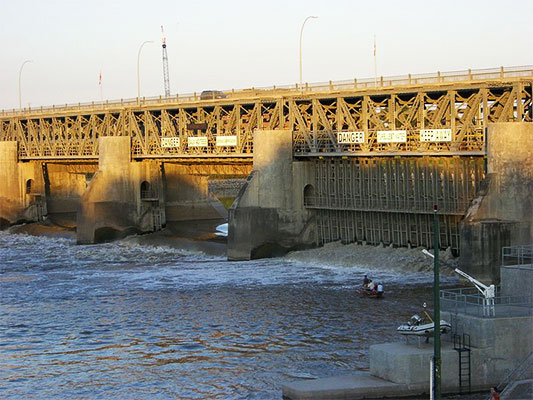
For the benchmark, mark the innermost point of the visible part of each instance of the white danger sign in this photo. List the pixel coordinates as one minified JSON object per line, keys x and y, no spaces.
{"x":350,"y":137}
{"x":435,"y":135}
{"x":392,"y":136}
{"x":170,"y":142}
{"x":226,"y":140}
{"x":199,"y":141}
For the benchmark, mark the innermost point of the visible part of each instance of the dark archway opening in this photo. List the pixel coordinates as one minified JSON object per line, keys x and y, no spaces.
{"x":29,"y":186}
{"x":145,"y":190}
{"x":309,"y":196}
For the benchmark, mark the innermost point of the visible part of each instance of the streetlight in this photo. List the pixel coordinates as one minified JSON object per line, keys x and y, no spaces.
{"x":435,"y":391}
{"x":436,"y":300}
{"x":20,"y":75}
{"x":301,"y":32}
{"x":138,"y":79}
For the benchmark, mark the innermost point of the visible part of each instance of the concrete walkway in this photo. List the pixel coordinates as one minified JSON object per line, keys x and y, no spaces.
{"x":360,"y":386}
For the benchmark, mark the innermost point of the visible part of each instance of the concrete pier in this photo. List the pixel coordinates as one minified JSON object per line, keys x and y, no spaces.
{"x":125,"y":196}
{"x":268,"y":218}
{"x":502,"y":213}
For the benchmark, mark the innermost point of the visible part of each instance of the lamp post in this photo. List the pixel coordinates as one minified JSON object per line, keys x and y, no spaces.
{"x":436,"y":301}
{"x":20,"y":76}
{"x":301,"y":33}
{"x":138,"y":79}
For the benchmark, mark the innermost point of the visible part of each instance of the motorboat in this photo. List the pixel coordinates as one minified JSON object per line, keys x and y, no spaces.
{"x":419,"y":326}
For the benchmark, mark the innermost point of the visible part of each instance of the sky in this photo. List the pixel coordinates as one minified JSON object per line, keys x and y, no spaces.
{"x":219,"y":45}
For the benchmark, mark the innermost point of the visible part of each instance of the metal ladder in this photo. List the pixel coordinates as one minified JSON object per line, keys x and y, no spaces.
{"x":462,"y":345}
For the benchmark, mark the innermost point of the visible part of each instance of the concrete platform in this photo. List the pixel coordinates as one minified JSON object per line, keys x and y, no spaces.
{"x":396,"y":370}
{"x":360,"y":386}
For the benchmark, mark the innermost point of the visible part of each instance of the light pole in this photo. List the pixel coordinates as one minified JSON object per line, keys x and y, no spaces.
{"x":20,"y":76}
{"x":301,"y":33}
{"x":138,"y":79}
{"x":436,"y":300}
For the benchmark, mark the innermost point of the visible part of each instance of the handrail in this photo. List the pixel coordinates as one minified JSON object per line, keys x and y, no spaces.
{"x":520,"y":255}
{"x":469,"y":301}
{"x":280,"y":90}
{"x":508,"y":377}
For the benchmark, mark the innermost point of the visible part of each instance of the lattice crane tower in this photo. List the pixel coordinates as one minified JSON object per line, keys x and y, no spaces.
{"x":165,"y":63}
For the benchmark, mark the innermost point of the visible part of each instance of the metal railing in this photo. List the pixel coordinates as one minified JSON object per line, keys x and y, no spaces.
{"x":493,"y":74}
{"x":518,"y":255}
{"x":470,"y":302}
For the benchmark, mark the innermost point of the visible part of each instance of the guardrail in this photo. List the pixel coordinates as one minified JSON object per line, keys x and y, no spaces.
{"x":470,"y":302}
{"x":518,"y":255}
{"x":469,"y":75}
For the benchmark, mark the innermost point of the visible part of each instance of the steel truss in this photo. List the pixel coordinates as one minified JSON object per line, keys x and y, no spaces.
{"x":464,"y":107}
{"x":390,"y":200}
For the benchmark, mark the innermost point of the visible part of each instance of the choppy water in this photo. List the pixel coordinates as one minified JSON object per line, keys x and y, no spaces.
{"x":122,"y":320}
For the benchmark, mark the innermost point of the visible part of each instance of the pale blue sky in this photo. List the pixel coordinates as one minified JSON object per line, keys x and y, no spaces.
{"x":238,"y":44}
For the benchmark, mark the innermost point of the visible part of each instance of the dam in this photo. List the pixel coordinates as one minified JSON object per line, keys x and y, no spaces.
{"x":352,"y":161}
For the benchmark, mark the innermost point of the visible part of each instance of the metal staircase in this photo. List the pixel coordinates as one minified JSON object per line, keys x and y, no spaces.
{"x":461,"y":343}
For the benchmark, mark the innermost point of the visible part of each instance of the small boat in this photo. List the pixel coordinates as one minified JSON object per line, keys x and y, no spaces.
{"x":417,"y":326}
{"x":364,"y":292}
{"x":222,"y":230}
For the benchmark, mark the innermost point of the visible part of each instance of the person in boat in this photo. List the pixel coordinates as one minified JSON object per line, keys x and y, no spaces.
{"x":380,"y":288}
{"x":366,"y":282}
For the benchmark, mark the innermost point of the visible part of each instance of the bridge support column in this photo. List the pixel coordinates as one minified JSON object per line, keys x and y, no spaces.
{"x":123,"y":197}
{"x":268,"y":218}
{"x":502,"y":214}
{"x":22,"y":196}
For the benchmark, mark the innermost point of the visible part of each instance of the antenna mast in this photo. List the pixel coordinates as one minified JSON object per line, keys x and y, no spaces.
{"x":165,"y":63}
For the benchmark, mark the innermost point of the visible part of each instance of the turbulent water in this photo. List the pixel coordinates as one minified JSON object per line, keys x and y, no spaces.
{"x":122,"y":320}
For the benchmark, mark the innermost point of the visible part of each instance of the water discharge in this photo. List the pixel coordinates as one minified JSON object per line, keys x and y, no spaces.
{"x":126,"y":320}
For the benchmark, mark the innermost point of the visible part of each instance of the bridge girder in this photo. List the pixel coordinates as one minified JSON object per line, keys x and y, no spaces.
{"x":315,"y":118}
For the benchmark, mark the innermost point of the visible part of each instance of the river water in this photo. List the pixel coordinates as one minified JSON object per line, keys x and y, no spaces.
{"x":123,"y":320}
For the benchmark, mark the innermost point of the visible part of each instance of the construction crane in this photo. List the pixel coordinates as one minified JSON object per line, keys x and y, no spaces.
{"x":165,"y":63}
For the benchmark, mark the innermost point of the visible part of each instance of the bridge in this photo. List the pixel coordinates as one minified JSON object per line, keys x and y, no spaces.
{"x":434,"y":114}
{"x":356,"y":161}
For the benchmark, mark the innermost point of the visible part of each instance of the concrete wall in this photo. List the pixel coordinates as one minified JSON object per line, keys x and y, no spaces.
{"x":268,"y":217}
{"x":517,"y":280}
{"x":502,"y":215}
{"x":187,"y":196}
{"x":16,"y":203}
{"x":65,"y":184}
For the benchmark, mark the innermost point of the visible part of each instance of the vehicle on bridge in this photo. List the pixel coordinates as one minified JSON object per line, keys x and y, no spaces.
{"x":212,"y":94}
